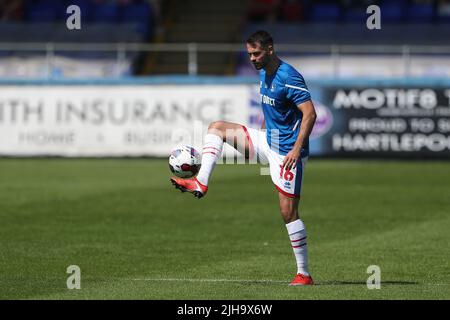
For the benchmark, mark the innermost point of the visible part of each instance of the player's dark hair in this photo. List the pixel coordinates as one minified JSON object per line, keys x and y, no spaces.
{"x":262,"y":37}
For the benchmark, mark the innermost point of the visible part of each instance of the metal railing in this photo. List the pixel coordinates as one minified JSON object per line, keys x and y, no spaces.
{"x":120,"y":50}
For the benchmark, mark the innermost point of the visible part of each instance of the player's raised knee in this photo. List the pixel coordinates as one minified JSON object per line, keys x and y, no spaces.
{"x":218,"y":125}
{"x":217,"y":128}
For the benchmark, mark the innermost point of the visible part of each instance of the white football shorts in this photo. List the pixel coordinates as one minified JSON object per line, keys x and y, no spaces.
{"x":288,"y":183}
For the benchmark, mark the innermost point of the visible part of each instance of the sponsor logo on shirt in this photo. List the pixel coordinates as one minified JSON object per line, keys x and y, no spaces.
{"x":268,"y":100}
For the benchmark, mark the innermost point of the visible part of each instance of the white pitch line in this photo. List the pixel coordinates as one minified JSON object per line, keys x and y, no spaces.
{"x":436,"y":284}
{"x":211,"y":280}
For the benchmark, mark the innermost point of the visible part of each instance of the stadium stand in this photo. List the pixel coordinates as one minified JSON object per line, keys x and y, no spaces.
{"x":322,"y":22}
{"x":405,"y":23}
{"x":327,"y":12}
{"x":106,"y":12}
{"x":103,"y":21}
{"x":32,"y":13}
{"x":344,"y":11}
{"x":201,"y":21}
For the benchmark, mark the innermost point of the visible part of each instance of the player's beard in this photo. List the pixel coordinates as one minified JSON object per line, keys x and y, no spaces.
{"x":259,"y":66}
{"x":262,"y":64}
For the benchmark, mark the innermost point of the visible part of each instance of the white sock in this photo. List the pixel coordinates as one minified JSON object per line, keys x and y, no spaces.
{"x":212,"y":150}
{"x":297,"y":234}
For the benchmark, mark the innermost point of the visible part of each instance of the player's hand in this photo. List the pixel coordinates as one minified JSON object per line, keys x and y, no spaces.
{"x":290,"y":161}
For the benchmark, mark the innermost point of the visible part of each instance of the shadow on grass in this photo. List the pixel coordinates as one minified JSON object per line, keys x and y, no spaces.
{"x":340,"y":283}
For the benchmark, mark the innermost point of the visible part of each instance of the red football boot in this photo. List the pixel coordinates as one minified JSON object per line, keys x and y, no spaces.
{"x":302,"y":280}
{"x":190,"y":185}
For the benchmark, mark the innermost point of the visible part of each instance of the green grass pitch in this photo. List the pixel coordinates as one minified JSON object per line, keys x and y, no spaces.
{"x":135,"y":237}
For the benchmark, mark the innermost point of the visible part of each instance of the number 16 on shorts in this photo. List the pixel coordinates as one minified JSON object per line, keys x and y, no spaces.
{"x":289,"y":181}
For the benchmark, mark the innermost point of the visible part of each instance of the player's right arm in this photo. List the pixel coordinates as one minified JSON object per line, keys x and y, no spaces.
{"x":263,"y":126}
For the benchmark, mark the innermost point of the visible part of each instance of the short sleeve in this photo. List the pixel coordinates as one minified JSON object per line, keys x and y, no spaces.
{"x":296,"y":89}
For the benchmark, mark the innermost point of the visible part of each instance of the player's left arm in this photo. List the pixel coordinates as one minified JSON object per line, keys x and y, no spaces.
{"x":307,"y":124}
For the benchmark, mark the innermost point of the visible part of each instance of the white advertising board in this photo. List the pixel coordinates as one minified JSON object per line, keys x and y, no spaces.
{"x":115,"y":120}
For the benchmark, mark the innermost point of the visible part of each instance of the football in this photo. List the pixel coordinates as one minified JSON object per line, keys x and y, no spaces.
{"x":184,"y":161}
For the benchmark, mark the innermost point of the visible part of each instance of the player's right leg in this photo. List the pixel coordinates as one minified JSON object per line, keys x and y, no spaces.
{"x":218,"y":133}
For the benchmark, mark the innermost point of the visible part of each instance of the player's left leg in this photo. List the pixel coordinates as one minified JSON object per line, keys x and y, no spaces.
{"x":297,"y":234}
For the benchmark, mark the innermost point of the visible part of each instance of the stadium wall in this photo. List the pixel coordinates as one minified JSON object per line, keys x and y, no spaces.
{"x":148,"y":116}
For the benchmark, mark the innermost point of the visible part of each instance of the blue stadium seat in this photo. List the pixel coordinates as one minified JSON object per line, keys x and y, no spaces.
{"x":106,"y":13}
{"x":397,"y":2}
{"x":420,"y":13}
{"x":45,"y":11}
{"x":139,"y":14}
{"x":392,"y":11}
{"x":356,"y":15}
{"x":325,"y":13}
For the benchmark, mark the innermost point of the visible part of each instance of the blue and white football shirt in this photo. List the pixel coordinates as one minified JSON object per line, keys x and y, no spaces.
{"x":281,"y":93}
